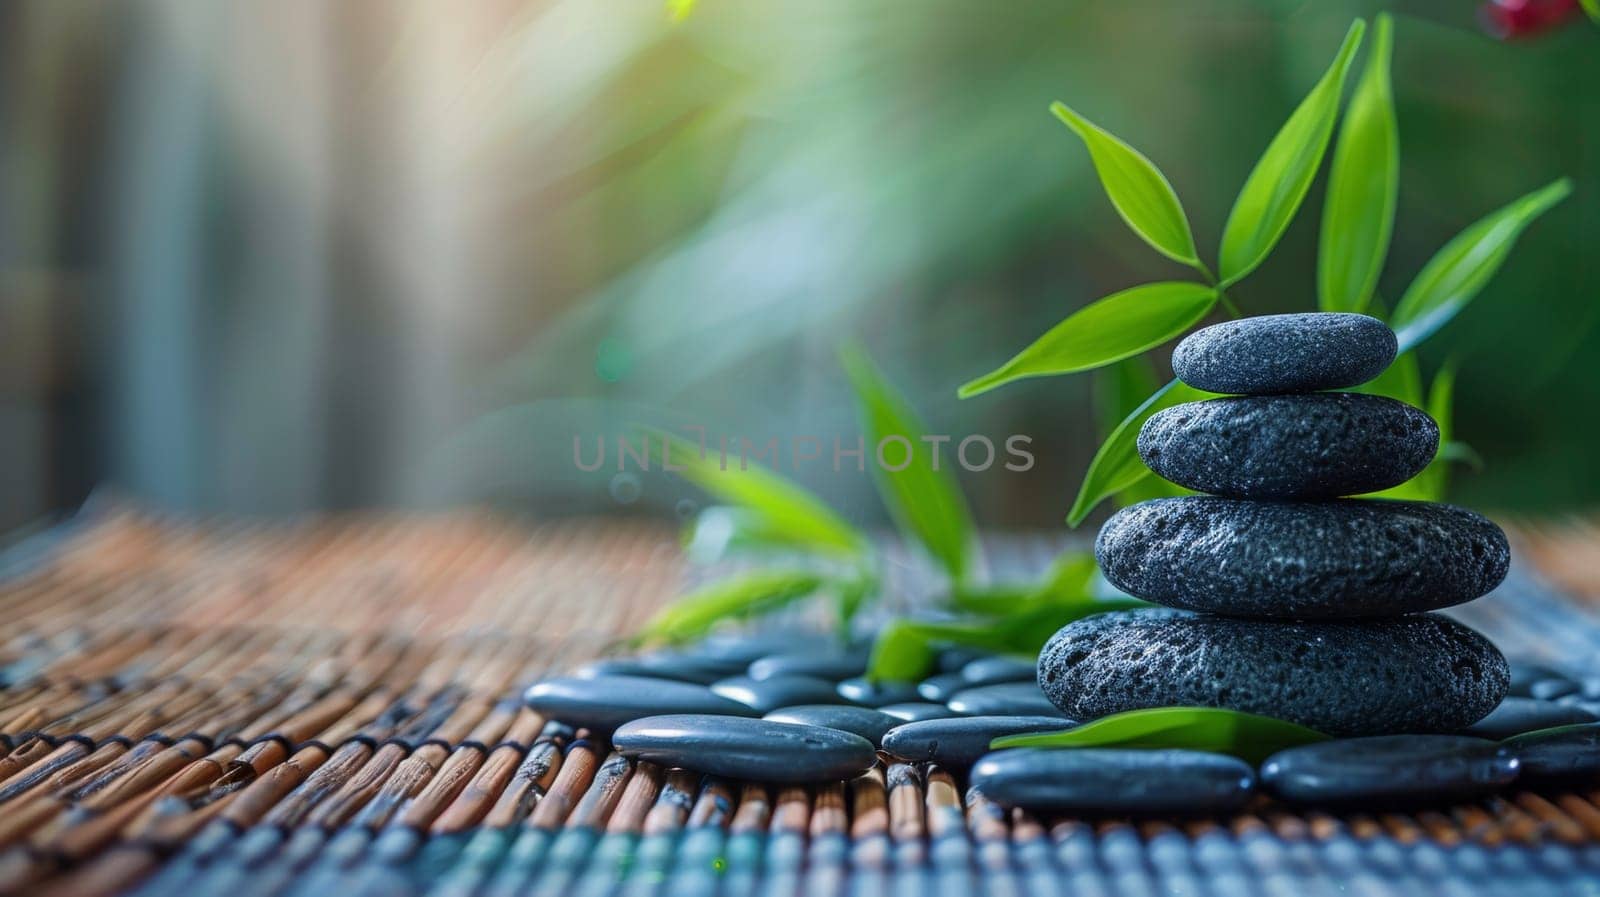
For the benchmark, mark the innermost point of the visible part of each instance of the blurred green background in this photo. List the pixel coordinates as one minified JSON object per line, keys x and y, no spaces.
{"x":277,"y":256}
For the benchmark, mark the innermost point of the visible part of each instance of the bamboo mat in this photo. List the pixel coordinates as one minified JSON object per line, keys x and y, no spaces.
{"x":330,"y":706}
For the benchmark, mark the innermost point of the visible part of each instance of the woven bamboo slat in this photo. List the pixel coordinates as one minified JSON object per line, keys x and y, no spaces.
{"x":215,"y":706}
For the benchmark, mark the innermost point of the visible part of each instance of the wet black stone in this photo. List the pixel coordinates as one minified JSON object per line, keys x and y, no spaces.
{"x":1524,"y":674}
{"x":1275,"y":354}
{"x":1313,"y":446}
{"x":603,"y":703}
{"x":1550,"y":689}
{"x":834,"y":664}
{"x":1420,"y":673}
{"x":1003,"y":699}
{"x":663,"y":665}
{"x":916,"y":711}
{"x":767,"y":695}
{"x":757,"y":749}
{"x":746,"y":648}
{"x":959,"y":741}
{"x":1514,"y":716}
{"x":939,"y":688}
{"x":1114,"y":781}
{"x":994,"y":670}
{"x":1389,"y":770}
{"x":1563,"y":754}
{"x":864,"y":721}
{"x":876,"y":694}
{"x":1302,"y":560}
{"x":951,"y":660}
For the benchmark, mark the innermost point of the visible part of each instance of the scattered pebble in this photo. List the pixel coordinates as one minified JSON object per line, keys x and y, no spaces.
{"x":1115,"y":781}
{"x":1562,"y":754}
{"x":756,"y":749}
{"x":1389,"y":770}
{"x":1004,"y":699}
{"x":1514,"y":716}
{"x":860,"y":690}
{"x":864,"y":721}
{"x":767,"y":695}
{"x":958,"y":742}
{"x":603,"y":703}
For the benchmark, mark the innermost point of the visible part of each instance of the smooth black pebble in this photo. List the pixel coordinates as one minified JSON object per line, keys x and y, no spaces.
{"x":1389,"y":770}
{"x":864,"y":721}
{"x":1302,"y":560}
{"x":746,"y":648}
{"x":757,"y":749}
{"x":1275,"y":354}
{"x":916,"y":711}
{"x":958,"y":742}
{"x":698,"y":669}
{"x":860,"y":690}
{"x":767,"y":695}
{"x":1314,"y":446}
{"x":1562,"y":754}
{"x":834,"y":664}
{"x":1514,"y":716}
{"x":606,"y":702}
{"x":994,"y":670}
{"x":939,"y":688}
{"x":1417,"y":673}
{"x":1004,"y":699}
{"x":1114,"y":781}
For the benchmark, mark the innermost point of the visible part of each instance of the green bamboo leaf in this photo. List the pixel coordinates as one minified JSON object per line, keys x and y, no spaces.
{"x":1466,"y":264}
{"x":1116,"y":327}
{"x":1139,"y":191}
{"x":1401,"y":380}
{"x":1117,"y":466}
{"x":923,"y":496}
{"x":1363,"y":180}
{"x":754,"y":593}
{"x":1273,"y":191}
{"x":1069,"y":578}
{"x":1441,"y":402}
{"x":789,"y":513}
{"x":1592,"y":7}
{"x":1245,"y":735}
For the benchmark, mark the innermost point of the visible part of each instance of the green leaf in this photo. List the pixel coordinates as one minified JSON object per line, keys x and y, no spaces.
{"x":1441,"y":401}
{"x":1116,"y":327}
{"x":1401,"y":380}
{"x":1273,"y":191}
{"x":1117,"y":466}
{"x":788,"y":513}
{"x":1592,"y":7}
{"x":1069,"y":578}
{"x":1244,"y":735}
{"x":1139,"y":191}
{"x":754,"y":593}
{"x":922,"y":497}
{"x":1121,"y":388}
{"x":1363,"y":180}
{"x":1465,"y":265}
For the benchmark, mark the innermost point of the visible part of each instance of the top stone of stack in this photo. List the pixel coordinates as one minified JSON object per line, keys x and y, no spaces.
{"x":1279,"y":354}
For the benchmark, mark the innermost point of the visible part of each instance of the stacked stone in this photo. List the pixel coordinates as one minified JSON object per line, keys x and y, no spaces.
{"x":1281,"y":596}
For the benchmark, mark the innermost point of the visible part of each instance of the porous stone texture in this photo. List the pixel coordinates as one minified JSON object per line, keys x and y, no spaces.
{"x":1302,"y":560}
{"x":1116,"y":781}
{"x":1320,"y":445}
{"x":1275,"y":354}
{"x":759,"y":749}
{"x":1389,"y":770}
{"x":1419,"y":673}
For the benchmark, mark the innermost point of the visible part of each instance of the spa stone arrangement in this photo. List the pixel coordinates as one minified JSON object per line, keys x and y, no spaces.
{"x":1280,"y":596}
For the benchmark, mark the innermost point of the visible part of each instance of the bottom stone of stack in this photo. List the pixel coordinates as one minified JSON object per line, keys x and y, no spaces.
{"x":1419,"y":673}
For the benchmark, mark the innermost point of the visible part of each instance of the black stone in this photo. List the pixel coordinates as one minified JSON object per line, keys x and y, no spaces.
{"x":1389,"y":770}
{"x":758,"y":749}
{"x":1524,"y":674}
{"x":1275,"y":354}
{"x":834,"y":664}
{"x":862,"y":691}
{"x":744,"y":649}
{"x":864,"y":721}
{"x":994,"y":670}
{"x":1514,"y":716}
{"x":1114,"y":781}
{"x":1301,"y":560}
{"x":916,"y":711}
{"x":939,"y":688}
{"x":959,"y":741}
{"x":1550,"y":689}
{"x":951,"y":660}
{"x":606,"y":702}
{"x":1420,"y":673}
{"x":1563,"y":754}
{"x":767,"y":695}
{"x":1314,"y":446}
{"x":1004,"y":699}
{"x":694,"y":668}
